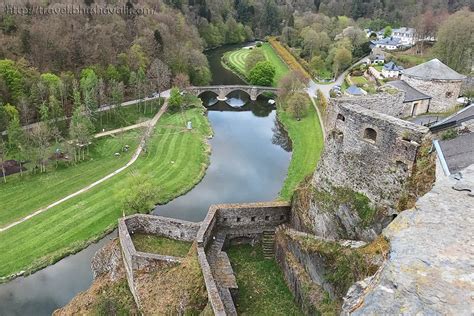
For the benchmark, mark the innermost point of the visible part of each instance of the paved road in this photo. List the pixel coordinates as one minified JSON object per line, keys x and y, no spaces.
{"x":134,"y":158}
{"x":325,"y":88}
{"x":164,"y":94}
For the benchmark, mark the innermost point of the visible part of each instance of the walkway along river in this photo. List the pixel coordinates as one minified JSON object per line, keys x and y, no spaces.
{"x":249,"y":161}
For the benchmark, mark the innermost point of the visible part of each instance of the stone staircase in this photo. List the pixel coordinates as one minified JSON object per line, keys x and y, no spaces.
{"x":222,"y":271}
{"x":268,"y":244}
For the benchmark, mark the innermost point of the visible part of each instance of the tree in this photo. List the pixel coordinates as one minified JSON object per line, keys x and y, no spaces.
{"x":3,"y":155}
{"x":159,"y":75}
{"x":140,"y":196}
{"x":175,"y":100}
{"x":89,"y":85}
{"x":80,"y":132}
{"x":455,"y":45}
{"x":387,"y":31}
{"x":39,"y":138}
{"x":262,"y":74}
{"x":16,"y":140}
{"x":253,"y":58}
{"x":298,"y":105}
{"x":342,"y":59}
{"x":317,"y":64}
{"x":290,"y":84}
{"x":181,"y":81}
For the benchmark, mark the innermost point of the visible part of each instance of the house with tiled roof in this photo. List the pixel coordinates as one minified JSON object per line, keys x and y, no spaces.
{"x":391,"y":70}
{"x":389,"y":43}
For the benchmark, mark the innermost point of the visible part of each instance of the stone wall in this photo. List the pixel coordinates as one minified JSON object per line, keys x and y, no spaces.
{"x":443,"y":92}
{"x":385,"y":102}
{"x":156,"y":225}
{"x":367,"y":153}
{"x":305,"y":271}
{"x":234,"y":221}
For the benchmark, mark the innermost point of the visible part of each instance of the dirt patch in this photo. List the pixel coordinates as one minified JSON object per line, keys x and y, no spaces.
{"x":177,"y":290}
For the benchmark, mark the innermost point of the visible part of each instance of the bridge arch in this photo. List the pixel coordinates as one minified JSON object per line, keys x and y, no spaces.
{"x":223,"y":90}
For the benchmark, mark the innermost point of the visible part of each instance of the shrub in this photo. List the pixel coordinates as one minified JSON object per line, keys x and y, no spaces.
{"x":259,"y":44}
{"x":449,"y":134}
{"x":262,"y":74}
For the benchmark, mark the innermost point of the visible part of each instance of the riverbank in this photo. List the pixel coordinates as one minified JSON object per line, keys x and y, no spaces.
{"x":176,"y":159}
{"x":308,"y":141}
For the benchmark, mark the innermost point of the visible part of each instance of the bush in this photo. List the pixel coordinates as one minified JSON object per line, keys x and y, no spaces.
{"x":259,"y":44}
{"x":262,"y":74}
{"x":449,"y":134}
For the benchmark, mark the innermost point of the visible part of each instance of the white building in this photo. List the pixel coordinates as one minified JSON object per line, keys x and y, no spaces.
{"x":406,"y":35}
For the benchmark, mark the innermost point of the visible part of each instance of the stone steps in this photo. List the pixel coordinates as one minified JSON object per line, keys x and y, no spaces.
{"x":268,"y":244}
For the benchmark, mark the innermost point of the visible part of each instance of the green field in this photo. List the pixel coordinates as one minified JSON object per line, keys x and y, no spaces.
{"x":237,"y":59}
{"x":307,"y":138}
{"x":176,"y":160}
{"x":24,"y":195}
{"x":262,"y":289}
{"x":125,"y":116}
{"x":160,"y":245}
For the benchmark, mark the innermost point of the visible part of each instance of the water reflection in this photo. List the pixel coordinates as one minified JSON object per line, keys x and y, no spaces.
{"x":51,"y":288}
{"x":246,"y":164}
{"x":280,"y":137}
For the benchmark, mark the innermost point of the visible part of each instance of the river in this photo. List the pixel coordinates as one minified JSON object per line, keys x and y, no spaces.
{"x":249,"y":161}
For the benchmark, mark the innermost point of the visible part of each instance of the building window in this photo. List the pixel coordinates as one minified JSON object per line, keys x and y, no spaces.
{"x":449,"y":94}
{"x":341,"y":117}
{"x":370,"y":134}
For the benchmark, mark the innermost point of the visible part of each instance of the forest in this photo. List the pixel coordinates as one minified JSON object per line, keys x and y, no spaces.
{"x":45,"y":58}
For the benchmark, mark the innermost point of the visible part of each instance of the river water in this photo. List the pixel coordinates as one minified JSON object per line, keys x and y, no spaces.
{"x":249,"y":161}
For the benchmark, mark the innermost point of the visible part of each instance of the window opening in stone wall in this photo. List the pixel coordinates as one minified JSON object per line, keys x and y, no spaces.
{"x":370,"y":134}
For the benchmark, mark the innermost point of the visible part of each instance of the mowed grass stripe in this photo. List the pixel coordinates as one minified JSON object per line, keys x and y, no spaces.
{"x":237,"y":59}
{"x":67,"y":227}
{"x":21,"y":197}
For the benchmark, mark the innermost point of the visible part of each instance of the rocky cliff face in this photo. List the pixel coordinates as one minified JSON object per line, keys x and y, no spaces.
{"x":430,"y":265}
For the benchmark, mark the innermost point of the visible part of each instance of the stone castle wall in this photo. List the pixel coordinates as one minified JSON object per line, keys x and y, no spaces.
{"x":378,"y":168}
{"x":234,"y":221}
{"x":443,"y":92}
{"x":155,"y":225}
{"x":385,"y":102}
{"x":366,"y":153}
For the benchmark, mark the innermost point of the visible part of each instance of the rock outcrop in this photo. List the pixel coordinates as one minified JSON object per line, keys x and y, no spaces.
{"x":430,"y":267}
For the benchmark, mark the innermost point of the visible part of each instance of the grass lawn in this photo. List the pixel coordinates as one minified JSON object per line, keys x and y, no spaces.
{"x":378,"y":68}
{"x":160,"y":245}
{"x":21,"y":196}
{"x":237,"y":59}
{"x":359,"y":80}
{"x":176,"y":160}
{"x":307,"y":138}
{"x":262,"y":289}
{"x":125,"y":116}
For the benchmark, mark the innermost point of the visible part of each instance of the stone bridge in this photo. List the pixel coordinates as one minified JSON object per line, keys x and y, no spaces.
{"x":223,"y":91}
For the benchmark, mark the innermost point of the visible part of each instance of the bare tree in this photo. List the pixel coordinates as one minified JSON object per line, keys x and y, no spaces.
{"x":159,"y":75}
